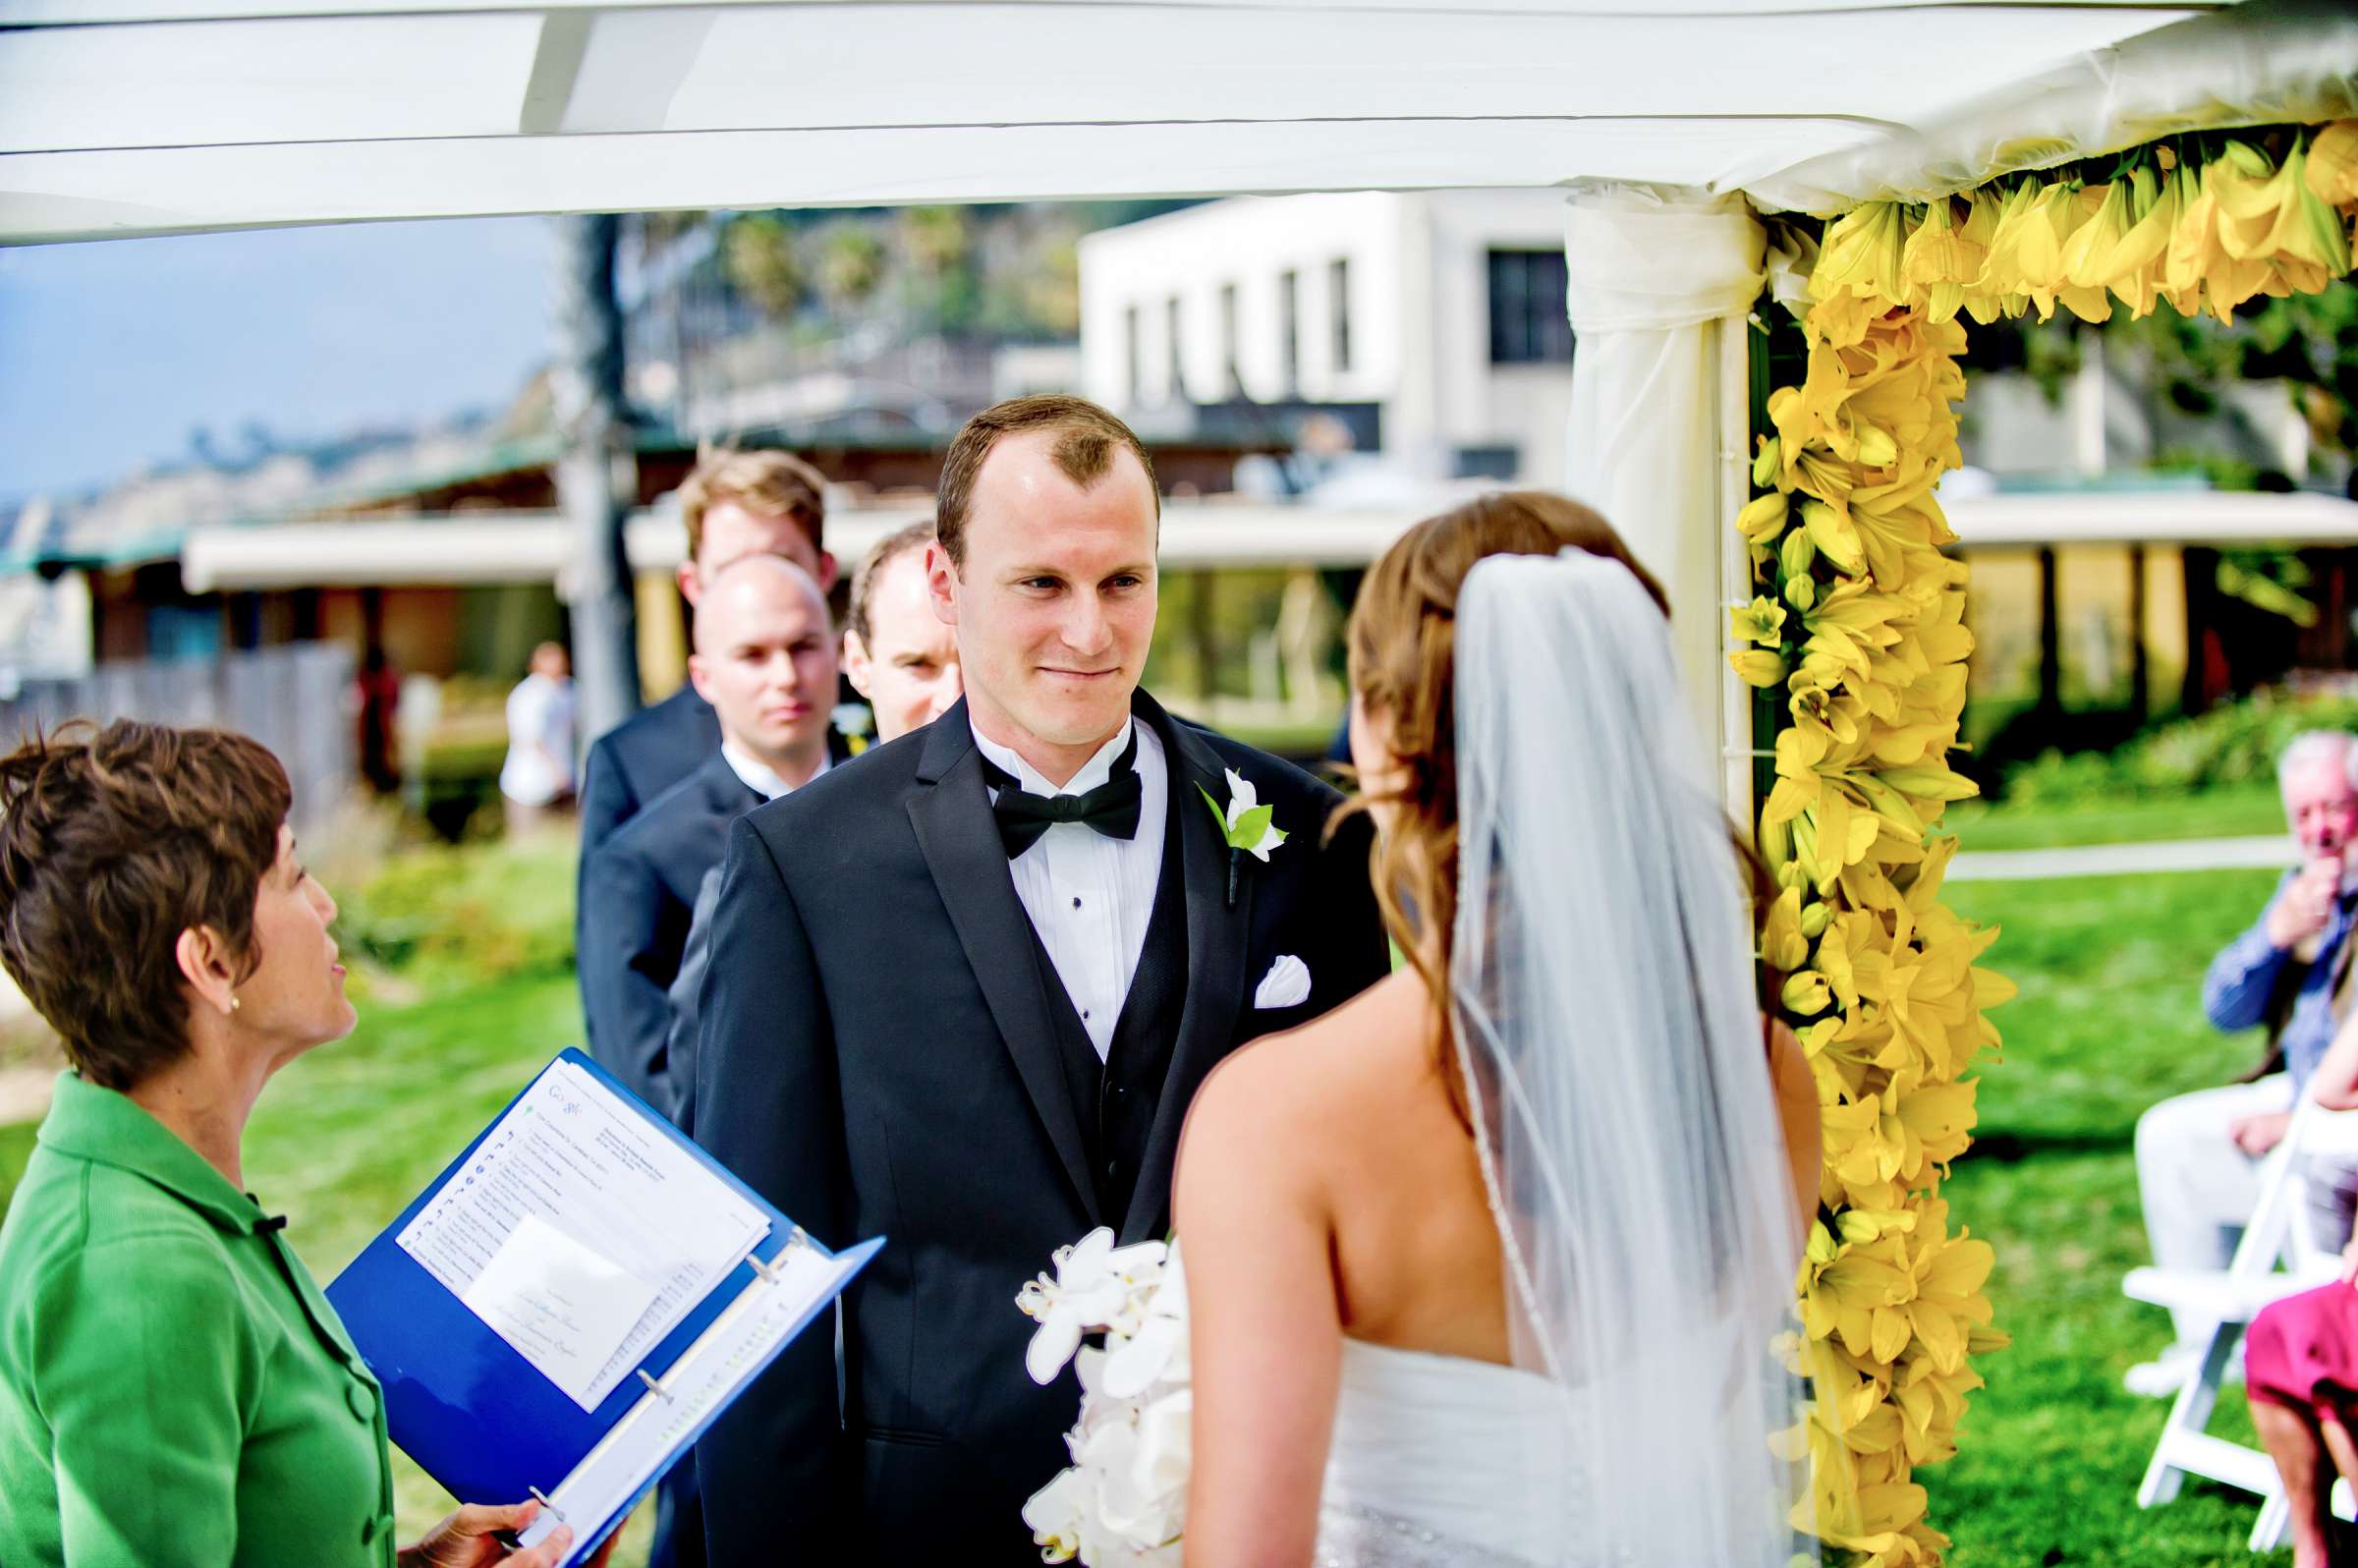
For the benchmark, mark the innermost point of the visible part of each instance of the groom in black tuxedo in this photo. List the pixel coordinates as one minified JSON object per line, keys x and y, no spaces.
{"x":961,"y":990}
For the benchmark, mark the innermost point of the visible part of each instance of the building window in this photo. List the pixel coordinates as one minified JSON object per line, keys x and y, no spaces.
{"x":1232,"y":380}
{"x":1528,"y":322}
{"x":1289,"y":333}
{"x":1338,"y":292}
{"x":1170,"y":325}
{"x":1134,"y":346}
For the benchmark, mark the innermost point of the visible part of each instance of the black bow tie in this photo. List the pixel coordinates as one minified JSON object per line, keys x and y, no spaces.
{"x":1111,"y":808}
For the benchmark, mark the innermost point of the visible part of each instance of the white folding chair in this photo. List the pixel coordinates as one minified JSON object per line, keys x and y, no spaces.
{"x":2279,"y":1233}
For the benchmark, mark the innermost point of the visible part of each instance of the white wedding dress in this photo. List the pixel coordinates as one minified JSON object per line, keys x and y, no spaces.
{"x":1431,"y":1461}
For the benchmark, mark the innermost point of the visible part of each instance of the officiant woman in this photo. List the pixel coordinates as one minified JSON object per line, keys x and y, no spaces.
{"x":174,"y":1388}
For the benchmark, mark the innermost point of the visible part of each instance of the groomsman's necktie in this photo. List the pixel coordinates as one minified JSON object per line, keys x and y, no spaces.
{"x":1111,"y":808}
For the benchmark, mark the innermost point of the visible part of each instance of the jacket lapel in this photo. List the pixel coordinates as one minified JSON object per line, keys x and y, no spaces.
{"x":950,"y":810}
{"x":1216,"y":938}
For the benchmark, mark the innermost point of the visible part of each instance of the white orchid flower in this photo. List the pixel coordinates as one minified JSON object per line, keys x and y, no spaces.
{"x":1165,"y":1453}
{"x":1091,"y":1290}
{"x":1156,"y":1350}
{"x":1055,"y":1512}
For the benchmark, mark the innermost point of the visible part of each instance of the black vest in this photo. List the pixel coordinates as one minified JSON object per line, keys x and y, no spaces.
{"x":1118,"y":1097}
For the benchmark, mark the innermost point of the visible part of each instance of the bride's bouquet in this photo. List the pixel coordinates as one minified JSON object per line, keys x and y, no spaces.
{"x":1124,"y":1500}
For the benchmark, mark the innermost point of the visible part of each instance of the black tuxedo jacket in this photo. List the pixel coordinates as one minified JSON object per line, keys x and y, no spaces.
{"x":878,"y":1058}
{"x":639,"y":758}
{"x":638,"y":895}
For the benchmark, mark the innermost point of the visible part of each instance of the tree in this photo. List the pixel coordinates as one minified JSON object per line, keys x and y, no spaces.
{"x":757,"y":252}
{"x":851,"y":266}
{"x":594,"y":455}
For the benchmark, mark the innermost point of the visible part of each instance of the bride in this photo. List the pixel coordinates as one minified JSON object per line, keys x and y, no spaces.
{"x":1484,"y":1267}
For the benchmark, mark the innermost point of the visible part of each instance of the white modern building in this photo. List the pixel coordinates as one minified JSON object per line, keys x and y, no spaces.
{"x":1440,"y":314}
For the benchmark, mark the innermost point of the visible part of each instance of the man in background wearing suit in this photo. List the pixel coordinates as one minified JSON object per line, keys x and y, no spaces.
{"x":905,"y":662}
{"x":766,"y":662}
{"x":735,"y":504}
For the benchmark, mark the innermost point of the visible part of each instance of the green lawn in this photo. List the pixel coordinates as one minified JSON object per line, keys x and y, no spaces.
{"x":2108,"y":1022}
{"x":2218,"y":814}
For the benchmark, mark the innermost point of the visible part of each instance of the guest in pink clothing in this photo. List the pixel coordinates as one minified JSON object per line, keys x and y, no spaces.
{"x":2301,"y":1370}
{"x":2300,"y":1366}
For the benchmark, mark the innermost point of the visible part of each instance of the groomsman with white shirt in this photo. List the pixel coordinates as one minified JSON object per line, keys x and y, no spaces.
{"x":960,"y":993}
{"x":765,"y":660}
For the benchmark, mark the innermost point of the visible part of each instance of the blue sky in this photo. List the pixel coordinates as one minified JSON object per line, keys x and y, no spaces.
{"x":112,"y":353}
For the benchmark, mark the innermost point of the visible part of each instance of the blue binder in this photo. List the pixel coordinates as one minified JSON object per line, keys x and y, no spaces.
{"x":482,"y":1419}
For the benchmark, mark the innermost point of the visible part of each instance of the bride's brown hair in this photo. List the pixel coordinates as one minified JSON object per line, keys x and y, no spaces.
{"x":1402,"y":640}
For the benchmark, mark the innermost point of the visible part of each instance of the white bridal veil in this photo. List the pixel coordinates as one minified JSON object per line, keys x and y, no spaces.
{"x":1604,"y":1011}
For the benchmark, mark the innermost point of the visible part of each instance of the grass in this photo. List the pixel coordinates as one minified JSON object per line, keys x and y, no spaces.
{"x":2108,"y":1022}
{"x":2237,"y":813}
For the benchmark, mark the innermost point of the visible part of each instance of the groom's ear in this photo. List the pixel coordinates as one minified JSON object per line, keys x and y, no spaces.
{"x":941,"y":584}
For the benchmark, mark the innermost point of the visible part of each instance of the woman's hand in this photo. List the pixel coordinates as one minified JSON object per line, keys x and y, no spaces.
{"x":466,"y":1540}
{"x":2349,"y":1263}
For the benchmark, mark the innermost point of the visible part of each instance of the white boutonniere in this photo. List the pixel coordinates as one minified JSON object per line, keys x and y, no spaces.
{"x":1245,"y":824}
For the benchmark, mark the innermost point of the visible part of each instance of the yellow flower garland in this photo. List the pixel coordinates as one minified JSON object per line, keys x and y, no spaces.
{"x":1861,"y":622}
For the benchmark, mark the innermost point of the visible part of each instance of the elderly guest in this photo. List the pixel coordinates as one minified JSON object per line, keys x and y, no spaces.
{"x":2198,"y":1154}
{"x":174,"y":1390}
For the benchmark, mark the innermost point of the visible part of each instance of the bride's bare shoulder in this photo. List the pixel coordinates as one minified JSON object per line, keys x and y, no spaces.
{"x":1282,"y":1092}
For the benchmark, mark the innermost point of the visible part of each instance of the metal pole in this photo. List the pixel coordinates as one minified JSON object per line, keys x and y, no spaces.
{"x":596,"y":472}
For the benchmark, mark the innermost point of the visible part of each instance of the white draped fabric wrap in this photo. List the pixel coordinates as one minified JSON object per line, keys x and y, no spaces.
{"x":1659,"y":283}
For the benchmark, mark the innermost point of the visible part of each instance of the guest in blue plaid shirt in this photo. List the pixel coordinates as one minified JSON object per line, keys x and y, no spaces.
{"x":2198,"y":1154}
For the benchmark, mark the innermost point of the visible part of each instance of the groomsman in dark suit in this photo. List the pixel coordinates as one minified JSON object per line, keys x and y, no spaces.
{"x":960,"y":993}
{"x":766,"y":661}
{"x":735,"y":504}
{"x":905,"y":662}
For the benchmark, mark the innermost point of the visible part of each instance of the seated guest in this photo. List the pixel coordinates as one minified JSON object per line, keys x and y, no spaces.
{"x":2198,"y":1154}
{"x":735,"y":504}
{"x":905,"y":661}
{"x":2300,"y":1362}
{"x":766,"y":661}
{"x":174,"y":1388}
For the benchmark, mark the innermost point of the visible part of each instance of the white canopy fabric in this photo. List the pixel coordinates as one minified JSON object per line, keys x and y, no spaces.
{"x":122,"y":117}
{"x":1659,"y":283}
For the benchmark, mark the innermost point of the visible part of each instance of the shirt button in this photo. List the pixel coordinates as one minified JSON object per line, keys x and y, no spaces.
{"x":361,"y":1400}
{"x":1076,"y":903}
{"x":1113,"y":1168}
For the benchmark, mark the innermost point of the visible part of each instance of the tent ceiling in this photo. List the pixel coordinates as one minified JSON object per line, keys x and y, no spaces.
{"x":147,"y":116}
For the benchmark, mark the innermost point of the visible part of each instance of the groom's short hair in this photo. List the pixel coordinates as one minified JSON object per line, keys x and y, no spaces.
{"x":1086,"y":437}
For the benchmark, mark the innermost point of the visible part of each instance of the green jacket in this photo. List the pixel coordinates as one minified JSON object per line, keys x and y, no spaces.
{"x":174,"y":1390}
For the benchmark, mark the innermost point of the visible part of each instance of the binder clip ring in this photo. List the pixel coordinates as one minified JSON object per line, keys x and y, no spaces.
{"x":547,"y":1507}
{"x":654,"y":1387}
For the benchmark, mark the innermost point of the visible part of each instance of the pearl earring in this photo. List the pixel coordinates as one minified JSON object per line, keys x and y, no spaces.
{"x":233,"y":1004}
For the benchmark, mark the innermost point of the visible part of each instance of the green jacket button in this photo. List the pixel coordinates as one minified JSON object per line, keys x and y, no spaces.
{"x":363,"y":1400}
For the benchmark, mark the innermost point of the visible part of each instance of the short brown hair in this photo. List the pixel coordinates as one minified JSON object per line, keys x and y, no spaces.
{"x":771,"y":483}
{"x":113,"y":841}
{"x":894,"y":546}
{"x":1086,"y":437}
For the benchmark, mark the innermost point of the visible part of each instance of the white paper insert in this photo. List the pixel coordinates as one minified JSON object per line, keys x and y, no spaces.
{"x":614,"y":1474}
{"x":628,"y":1207}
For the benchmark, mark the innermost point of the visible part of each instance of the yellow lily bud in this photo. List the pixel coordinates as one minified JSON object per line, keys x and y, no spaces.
{"x":1758,"y":666}
{"x":2331,"y":173}
{"x":1861,"y":254}
{"x":1814,"y":919}
{"x":1796,"y":553}
{"x":2249,"y":159}
{"x":1766,"y":464}
{"x":1876,"y":448}
{"x":1763,"y":518}
{"x":1805,"y":994}
{"x":1801,"y":591}
{"x":1930,"y":783}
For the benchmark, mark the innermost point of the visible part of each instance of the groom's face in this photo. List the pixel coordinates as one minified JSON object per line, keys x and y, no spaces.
{"x":1055,"y":606}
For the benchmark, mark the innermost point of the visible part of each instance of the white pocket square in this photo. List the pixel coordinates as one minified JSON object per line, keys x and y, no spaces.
{"x":1286,"y":985}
